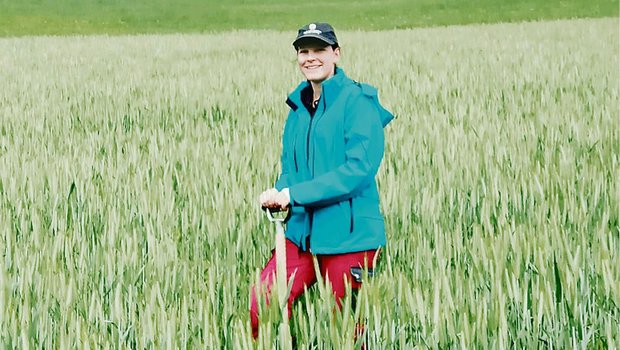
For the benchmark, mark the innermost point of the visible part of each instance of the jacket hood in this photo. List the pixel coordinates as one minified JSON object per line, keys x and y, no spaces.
{"x":386,"y":116}
{"x":371,"y":92}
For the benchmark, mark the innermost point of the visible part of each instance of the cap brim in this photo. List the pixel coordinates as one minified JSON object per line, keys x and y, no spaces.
{"x":312,"y":37}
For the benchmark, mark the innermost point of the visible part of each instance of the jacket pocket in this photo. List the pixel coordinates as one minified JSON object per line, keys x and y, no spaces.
{"x":368,"y":207}
{"x":332,"y":223}
{"x":365,"y":213}
{"x":351,"y":211}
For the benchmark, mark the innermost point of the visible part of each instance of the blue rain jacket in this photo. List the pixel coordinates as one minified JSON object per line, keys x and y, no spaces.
{"x":329,"y":163}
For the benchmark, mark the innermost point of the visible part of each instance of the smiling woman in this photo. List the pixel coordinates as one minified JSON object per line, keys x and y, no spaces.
{"x":317,"y":62}
{"x":331,"y":151}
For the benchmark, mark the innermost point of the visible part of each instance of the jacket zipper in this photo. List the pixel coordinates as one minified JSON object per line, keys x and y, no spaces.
{"x":308,"y":147}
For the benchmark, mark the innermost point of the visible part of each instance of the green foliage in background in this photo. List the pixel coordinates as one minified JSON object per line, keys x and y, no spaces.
{"x":41,"y":17}
{"x":130,"y":169}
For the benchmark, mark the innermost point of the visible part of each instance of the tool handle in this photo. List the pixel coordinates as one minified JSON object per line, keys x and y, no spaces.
{"x":271,"y":211}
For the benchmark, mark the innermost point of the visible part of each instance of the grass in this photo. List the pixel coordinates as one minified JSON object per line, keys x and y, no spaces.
{"x":130,"y":168}
{"x":50,"y":17}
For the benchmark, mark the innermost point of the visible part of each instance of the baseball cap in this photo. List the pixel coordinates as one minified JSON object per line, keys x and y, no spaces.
{"x":321,"y":31}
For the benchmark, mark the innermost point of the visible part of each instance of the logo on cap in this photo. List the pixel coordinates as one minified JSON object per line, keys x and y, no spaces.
{"x":312,"y":29}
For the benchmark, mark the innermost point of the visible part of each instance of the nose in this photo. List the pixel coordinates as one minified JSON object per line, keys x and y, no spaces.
{"x":310,"y":56}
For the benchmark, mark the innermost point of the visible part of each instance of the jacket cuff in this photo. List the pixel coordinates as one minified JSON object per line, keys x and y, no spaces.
{"x":291,"y":197}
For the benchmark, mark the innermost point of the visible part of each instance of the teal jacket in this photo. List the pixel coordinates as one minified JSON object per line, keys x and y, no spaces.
{"x":329,"y":163}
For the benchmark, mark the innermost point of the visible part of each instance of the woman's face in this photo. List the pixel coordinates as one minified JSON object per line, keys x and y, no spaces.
{"x":317,"y":62}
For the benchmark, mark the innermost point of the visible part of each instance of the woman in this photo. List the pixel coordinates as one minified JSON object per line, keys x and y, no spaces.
{"x":332,"y":149}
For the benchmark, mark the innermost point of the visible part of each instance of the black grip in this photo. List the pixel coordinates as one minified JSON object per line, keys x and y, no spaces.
{"x":289,"y":211}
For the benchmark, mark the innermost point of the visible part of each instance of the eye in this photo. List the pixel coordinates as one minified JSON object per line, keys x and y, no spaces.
{"x":303,"y":51}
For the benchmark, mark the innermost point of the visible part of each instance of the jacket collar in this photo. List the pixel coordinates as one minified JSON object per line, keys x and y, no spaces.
{"x":330,"y":88}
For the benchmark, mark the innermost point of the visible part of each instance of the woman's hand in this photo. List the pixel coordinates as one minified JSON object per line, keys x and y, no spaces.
{"x":266,"y":198}
{"x":273,"y":199}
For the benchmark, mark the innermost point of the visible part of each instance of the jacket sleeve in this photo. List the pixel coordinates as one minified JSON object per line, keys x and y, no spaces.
{"x":283,"y":180}
{"x":363,"y":150}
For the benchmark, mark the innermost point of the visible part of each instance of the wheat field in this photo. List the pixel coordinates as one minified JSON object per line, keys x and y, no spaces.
{"x":130,"y":168}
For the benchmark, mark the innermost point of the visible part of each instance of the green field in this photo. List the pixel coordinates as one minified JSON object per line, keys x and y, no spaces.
{"x":44,"y":17}
{"x":130,"y":168}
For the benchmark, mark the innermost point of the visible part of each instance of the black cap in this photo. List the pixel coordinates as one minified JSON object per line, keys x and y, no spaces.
{"x":321,"y":31}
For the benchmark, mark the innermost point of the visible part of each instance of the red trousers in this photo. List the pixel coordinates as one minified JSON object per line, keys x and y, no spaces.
{"x":334,"y":268}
